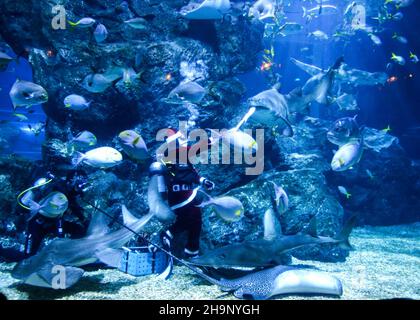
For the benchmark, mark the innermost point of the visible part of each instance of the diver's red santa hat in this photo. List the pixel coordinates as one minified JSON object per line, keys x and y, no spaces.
{"x":178,"y":142}
{"x":178,"y":138}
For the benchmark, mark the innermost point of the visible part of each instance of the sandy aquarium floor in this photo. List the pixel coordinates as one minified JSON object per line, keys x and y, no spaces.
{"x":385,"y":264}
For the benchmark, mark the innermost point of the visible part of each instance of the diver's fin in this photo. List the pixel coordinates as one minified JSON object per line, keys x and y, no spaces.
{"x":343,"y":236}
{"x":111,"y":257}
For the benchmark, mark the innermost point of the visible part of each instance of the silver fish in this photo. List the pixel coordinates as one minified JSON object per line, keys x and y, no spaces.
{"x":76,"y":102}
{"x":103,"y":157}
{"x":227,"y":208}
{"x":96,"y":83}
{"x":186,"y":92}
{"x":347,"y":156}
{"x":84,"y":139}
{"x":25,"y":94}
{"x":137,"y":23}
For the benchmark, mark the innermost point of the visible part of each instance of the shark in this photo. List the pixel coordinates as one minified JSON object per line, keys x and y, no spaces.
{"x":319,"y":85}
{"x":67,"y":256}
{"x":279,"y":280}
{"x":273,"y":108}
{"x":346,"y":75}
{"x":270,"y":249}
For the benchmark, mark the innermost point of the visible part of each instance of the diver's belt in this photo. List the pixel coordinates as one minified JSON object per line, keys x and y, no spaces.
{"x":139,"y":261}
{"x":187,"y":201}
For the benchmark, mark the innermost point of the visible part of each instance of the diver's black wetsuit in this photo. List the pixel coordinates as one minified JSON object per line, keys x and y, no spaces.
{"x":39,"y":226}
{"x":178,"y":183}
{"x":181,"y":181}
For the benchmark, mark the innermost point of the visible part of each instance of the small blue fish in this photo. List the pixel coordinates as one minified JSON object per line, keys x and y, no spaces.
{"x":100,"y":33}
{"x":76,"y":102}
{"x":344,"y":191}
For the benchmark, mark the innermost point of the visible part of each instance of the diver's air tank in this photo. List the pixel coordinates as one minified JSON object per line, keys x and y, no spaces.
{"x":158,"y":169}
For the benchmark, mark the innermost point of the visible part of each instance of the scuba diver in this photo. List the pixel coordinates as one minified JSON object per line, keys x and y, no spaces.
{"x":59,"y":196}
{"x":179,"y":183}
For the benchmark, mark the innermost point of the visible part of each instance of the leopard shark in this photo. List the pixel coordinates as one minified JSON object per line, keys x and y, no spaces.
{"x":280,"y":280}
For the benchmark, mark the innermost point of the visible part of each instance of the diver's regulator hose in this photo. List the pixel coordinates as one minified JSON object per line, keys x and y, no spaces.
{"x":29,"y":189}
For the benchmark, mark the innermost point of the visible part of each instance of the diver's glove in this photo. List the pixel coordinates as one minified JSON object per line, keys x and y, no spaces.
{"x":209,"y":185}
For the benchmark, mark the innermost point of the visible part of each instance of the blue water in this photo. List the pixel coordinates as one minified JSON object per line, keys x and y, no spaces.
{"x":384,"y":194}
{"x":26,"y":144}
{"x":395,"y":104}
